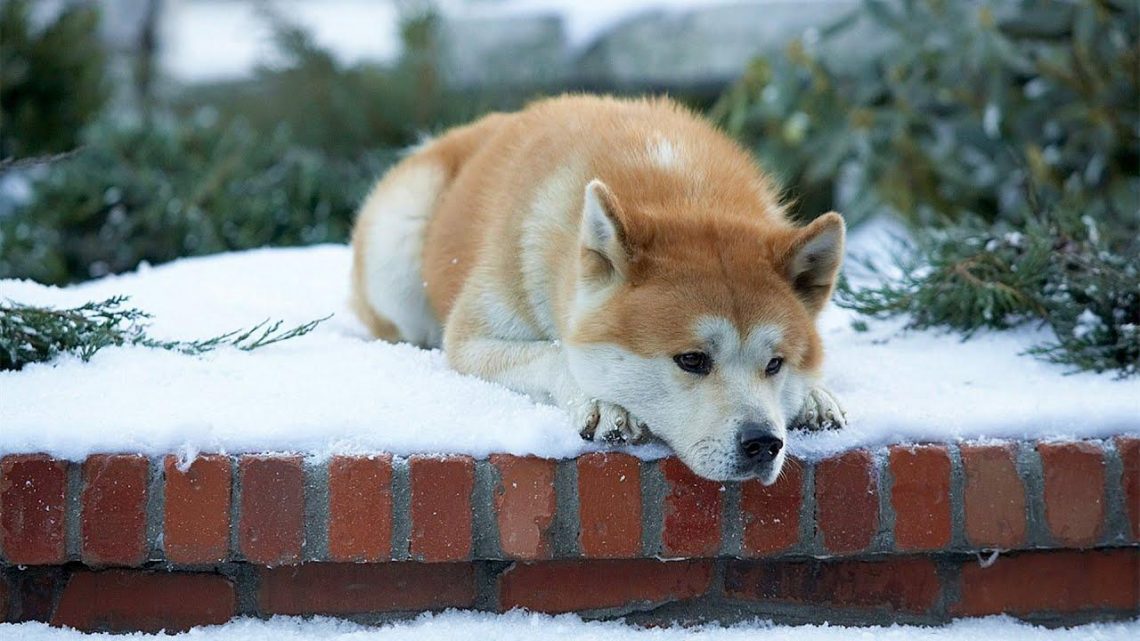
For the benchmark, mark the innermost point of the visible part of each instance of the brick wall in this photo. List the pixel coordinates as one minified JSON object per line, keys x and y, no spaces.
{"x":125,"y":542}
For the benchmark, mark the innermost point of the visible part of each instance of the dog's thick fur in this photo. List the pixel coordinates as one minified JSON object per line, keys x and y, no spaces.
{"x":573,"y":250}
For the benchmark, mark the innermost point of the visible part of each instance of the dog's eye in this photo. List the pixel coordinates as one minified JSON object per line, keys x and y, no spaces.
{"x":773,"y":366}
{"x":694,"y":362}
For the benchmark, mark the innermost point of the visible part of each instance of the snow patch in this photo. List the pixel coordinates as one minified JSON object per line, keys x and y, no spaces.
{"x":1088,"y":323}
{"x":522,"y":626}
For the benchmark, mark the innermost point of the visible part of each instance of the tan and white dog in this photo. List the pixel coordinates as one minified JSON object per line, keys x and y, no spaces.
{"x":619,"y":258}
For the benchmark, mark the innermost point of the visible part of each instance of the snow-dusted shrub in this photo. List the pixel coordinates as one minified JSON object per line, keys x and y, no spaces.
{"x":1055,"y":269}
{"x":341,"y":109}
{"x":282,"y":160}
{"x":989,"y":109}
{"x":163,"y":188}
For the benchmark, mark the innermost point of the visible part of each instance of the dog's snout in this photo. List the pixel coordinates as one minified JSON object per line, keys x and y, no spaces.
{"x":758,"y":445}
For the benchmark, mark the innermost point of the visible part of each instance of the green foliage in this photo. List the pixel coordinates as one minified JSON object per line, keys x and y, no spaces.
{"x":52,"y":79}
{"x":1095,"y":313}
{"x":967,"y":277}
{"x":1055,"y":268}
{"x":953,"y":109}
{"x":342,"y":109}
{"x":1006,"y":133}
{"x":284,"y":160}
{"x":31,"y":334}
{"x":162,"y":188}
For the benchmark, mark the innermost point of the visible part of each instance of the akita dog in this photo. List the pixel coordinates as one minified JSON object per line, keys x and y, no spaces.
{"x":619,"y":258}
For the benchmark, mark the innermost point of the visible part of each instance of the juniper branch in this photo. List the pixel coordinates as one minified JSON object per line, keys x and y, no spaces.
{"x":1054,"y":270}
{"x":35,"y":334}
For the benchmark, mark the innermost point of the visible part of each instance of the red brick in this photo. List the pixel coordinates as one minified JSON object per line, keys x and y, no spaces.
{"x":525,"y":505}
{"x":1129,"y":449}
{"x":129,"y":600}
{"x":569,"y":586}
{"x":907,"y":584}
{"x":441,"y":507}
{"x":5,"y":599}
{"x":114,"y":510}
{"x":920,"y":496}
{"x":847,"y":502}
{"x":360,"y":508}
{"x":271,"y":526}
{"x":772,"y":513}
{"x":692,"y":512}
{"x":609,"y":505}
{"x":1074,"y":491}
{"x":994,"y":496}
{"x":38,"y":588}
{"x":362,"y":588}
{"x":1053,"y":582}
{"x":33,"y":493}
{"x":196,"y":521}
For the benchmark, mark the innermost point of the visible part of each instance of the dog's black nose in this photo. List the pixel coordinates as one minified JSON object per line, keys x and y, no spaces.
{"x":758,"y":445}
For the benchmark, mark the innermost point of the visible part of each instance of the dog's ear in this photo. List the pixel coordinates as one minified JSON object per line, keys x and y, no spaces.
{"x":605,"y":246}
{"x":812,"y":258}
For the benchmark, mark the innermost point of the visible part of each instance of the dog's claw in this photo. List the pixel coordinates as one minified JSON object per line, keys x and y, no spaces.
{"x":613,"y":437}
{"x":608,"y":423}
{"x":820,"y":412}
{"x":589,"y":423}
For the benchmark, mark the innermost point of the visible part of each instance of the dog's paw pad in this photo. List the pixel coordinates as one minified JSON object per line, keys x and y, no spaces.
{"x":821,"y":412}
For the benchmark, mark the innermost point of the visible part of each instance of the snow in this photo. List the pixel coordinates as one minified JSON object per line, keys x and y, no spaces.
{"x":334,"y":391}
{"x":991,"y":120}
{"x":522,"y":626}
{"x":1087,"y":323}
{"x":583,"y":21}
{"x":224,"y":40}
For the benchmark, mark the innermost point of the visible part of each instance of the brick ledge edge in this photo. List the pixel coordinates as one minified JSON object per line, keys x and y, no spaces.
{"x":869,"y":535}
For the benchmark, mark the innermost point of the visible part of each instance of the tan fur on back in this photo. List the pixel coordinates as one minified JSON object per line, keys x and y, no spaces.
{"x":713,"y":178}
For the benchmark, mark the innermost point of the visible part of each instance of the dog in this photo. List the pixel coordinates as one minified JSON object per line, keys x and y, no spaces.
{"x":619,"y":258}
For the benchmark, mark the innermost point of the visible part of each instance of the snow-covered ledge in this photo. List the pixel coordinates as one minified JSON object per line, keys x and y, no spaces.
{"x":334,"y":391}
{"x":332,"y":474}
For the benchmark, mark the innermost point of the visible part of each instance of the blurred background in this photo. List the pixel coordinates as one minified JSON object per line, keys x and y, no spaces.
{"x":1005,"y":134}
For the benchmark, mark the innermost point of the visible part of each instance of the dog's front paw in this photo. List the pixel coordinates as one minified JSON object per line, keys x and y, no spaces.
{"x":820,"y":412}
{"x":609,"y":423}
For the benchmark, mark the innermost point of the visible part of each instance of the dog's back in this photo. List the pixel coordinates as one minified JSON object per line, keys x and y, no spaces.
{"x":503,"y":196}
{"x":389,"y":290}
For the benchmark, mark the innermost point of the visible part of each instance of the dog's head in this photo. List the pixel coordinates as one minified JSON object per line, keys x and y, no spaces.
{"x":703,"y":327}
